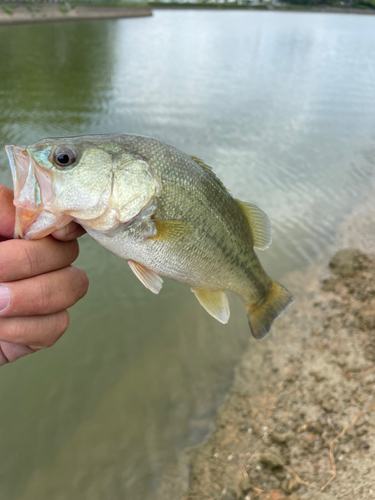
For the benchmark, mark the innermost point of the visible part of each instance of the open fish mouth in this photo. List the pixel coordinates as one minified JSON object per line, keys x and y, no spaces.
{"x":32,"y":196}
{"x":39,"y":198}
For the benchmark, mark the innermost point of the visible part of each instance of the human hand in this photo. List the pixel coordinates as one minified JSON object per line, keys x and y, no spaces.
{"x":37,"y":285}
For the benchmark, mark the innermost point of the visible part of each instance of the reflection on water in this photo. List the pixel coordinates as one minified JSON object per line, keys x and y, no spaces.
{"x":282,"y":106}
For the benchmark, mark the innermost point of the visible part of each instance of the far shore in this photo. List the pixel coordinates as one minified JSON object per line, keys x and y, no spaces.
{"x":41,"y":13}
{"x":286,"y":8}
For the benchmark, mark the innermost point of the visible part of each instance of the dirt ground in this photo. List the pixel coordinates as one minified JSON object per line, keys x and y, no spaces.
{"x":291,"y":399}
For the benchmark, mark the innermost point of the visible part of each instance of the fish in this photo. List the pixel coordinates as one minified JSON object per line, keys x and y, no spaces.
{"x":163,"y":211}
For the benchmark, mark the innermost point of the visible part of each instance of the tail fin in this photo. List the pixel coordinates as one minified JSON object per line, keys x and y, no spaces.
{"x":261,"y":316}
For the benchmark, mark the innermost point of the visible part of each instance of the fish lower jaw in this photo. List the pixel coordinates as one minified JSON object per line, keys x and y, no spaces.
{"x":37,"y":225}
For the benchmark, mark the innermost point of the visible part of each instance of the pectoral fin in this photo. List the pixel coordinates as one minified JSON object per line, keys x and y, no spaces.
{"x":171,"y":230}
{"x":149,"y":278}
{"x":215,"y":303}
{"x":260,"y":225}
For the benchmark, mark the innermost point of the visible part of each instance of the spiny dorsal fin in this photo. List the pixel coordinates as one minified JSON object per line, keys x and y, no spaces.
{"x":259,"y":223}
{"x":201,"y":163}
{"x":171,"y":230}
{"x":149,"y":278}
{"x":215,"y":303}
{"x":209,"y":169}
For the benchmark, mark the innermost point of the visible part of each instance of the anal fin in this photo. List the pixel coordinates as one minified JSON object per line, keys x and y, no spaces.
{"x":149,"y":278}
{"x":215,"y":303}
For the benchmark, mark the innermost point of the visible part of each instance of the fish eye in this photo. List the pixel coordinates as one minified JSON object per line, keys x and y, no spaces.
{"x":64,"y":157}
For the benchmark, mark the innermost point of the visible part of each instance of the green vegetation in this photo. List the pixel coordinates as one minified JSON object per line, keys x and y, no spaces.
{"x":34,"y":8}
{"x":32,"y":4}
{"x":213,"y":5}
{"x":8,"y":5}
{"x":93,"y":3}
{"x":355,"y":4}
{"x":269,"y":5}
{"x":7,"y":10}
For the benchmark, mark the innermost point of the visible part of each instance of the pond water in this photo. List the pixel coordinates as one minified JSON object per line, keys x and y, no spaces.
{"x":282,"y":106}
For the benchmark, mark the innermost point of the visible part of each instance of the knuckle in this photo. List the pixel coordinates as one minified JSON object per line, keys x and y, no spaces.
{"x":38,"y":331}
{"x":31,"y":258}
{"x":74,"y":248}
{"x":61,"y":324}
{"x":11,"y":331}
{"x":44,"y":296}
{"x":9,"y":260}
{"x":4,"y":269}
{"x":82,"y":281}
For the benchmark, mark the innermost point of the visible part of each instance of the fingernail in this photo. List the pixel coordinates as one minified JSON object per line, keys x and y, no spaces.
{"x":4,"y":297}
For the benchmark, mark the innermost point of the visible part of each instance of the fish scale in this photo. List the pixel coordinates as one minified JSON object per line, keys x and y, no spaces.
{"x":162,"y":211}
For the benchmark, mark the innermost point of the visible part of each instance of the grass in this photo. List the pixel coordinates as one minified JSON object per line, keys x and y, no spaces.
{"x":7,"y":10}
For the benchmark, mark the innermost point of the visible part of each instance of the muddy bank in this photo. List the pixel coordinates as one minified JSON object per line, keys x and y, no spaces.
{"x":295,"y":394}
{"x":37,"y":13}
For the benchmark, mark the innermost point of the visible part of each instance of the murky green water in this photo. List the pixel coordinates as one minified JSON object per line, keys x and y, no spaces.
{"x":282,"y":106}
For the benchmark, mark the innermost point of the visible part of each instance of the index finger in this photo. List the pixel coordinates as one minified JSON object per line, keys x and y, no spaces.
{"x":20,"y":259}
{"x":7,"y":212}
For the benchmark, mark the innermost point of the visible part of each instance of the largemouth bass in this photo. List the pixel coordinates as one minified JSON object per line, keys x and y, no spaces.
{"x":161,"y":210}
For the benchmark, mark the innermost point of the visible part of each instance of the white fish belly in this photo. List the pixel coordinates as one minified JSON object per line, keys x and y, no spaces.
{"x":150,"y":254}
{"x":179,"y":266}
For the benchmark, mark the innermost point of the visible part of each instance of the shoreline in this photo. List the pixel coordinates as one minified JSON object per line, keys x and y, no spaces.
{"x":35,"y":13}
{"x":265,"y":8}
{"x":11,"y":14}
{"x":293,"y":393}
{"x":292,"y":397}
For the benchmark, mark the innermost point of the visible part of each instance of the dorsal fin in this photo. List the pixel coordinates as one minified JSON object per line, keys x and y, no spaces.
{"x":209,"y":169}
{"x":259,"y":223}
{"x":201,"y":163}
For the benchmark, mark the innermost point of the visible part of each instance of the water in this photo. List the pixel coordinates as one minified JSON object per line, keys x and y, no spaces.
{"x":282,"y":106}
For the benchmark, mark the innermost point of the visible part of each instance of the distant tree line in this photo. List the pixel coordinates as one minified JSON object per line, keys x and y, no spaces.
{"x":254,"y":4}
{"x":355,"y":4}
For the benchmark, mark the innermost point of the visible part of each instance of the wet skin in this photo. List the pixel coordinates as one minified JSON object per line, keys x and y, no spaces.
{"x":41,"y":282}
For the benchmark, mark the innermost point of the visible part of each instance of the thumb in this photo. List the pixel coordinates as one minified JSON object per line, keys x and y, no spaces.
{"x":7,"y":213}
